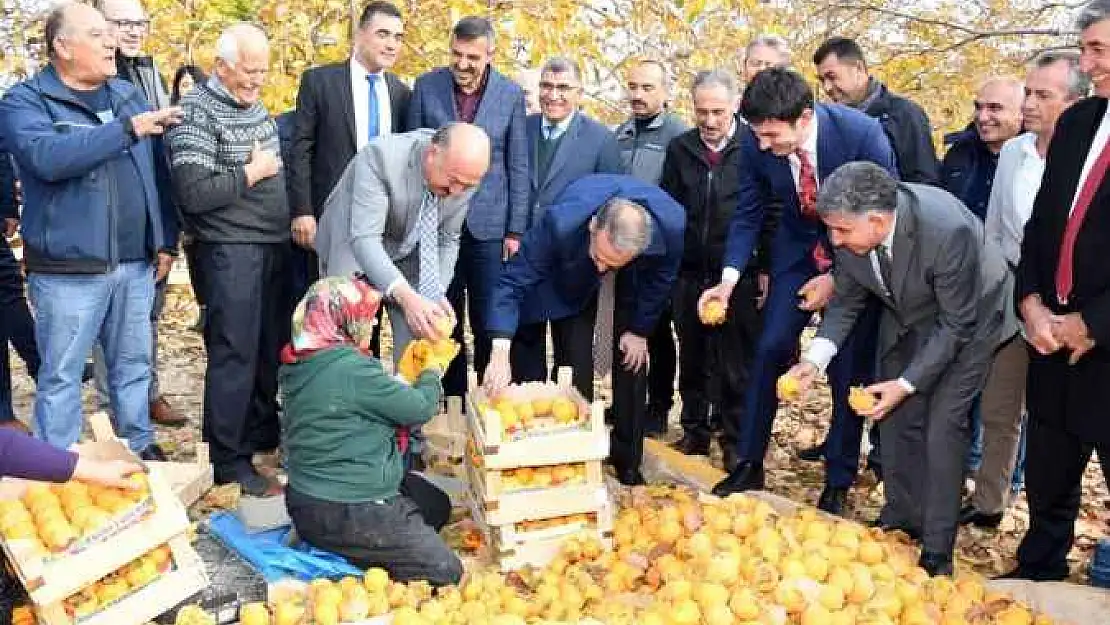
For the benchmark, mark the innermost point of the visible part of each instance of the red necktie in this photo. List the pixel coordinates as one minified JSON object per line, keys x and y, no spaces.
{"x":807,"y":201}
{"x":1065,"y":267}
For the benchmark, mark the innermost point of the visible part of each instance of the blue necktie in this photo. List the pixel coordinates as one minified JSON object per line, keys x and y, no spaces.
{"x":372,"y":125}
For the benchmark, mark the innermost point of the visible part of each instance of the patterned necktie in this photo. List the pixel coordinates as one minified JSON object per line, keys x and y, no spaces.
{"x":807,"y":202}
{"x":603,"y":325}
{"x":373,"y":127}
{"x":1065,"y":267}
{"x":428,"y":227}
{"x":882,"y":254}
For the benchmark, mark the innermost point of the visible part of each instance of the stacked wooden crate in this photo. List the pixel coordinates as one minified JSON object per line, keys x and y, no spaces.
{"x":534,"y":470}
{"x":96,"y":556}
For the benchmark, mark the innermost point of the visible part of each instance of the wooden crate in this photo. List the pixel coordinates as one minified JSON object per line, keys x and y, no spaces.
{"x":190,"y":480}
{"x":187,"y":578}
{"x":511,"y":548}
{"x":575,"y":445}
{"x":501,"y":506}
{"x":445,"y":440}
{"x":53,"y":579}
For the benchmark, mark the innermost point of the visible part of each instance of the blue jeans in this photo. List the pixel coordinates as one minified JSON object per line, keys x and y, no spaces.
{"x":74,"y":311}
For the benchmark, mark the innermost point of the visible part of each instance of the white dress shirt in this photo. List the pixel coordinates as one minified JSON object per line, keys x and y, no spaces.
{"x":1097,"y":145}
{"x":1016,"y":182}
{"x":809,"y":146}
{"x":552,"y":131}
{"x":360,"y":93}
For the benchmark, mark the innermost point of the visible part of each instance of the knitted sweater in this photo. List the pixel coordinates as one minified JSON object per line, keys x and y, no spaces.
{"x":208,"y":151}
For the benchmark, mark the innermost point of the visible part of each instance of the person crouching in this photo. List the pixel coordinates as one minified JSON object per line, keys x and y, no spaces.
{"x":344,"y":430}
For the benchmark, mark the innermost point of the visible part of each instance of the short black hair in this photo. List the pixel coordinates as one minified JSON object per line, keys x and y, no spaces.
{"x":845,"y":49}
{"x":473,"y":27}
{"x":776,"y":94}
{"x":378,"y":7}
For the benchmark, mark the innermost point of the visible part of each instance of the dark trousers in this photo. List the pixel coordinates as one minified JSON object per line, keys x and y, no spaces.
{"x":783,"y":323}
{"x":16,"y":327}
{"x":661,"y":348}
{"x":243,"y":338}
{"x":196,"y":272}
{"x":1054,"y":464}
{"x":715,"y":361}
{"x":398,"y":534}
{"x":470,"y":293}
{"x":572,"y":341}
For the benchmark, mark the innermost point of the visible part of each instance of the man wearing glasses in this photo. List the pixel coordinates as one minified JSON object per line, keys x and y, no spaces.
{"x":132,"y":25}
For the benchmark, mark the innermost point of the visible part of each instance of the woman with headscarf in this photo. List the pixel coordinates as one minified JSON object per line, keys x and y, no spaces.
{"x":344,"y":430}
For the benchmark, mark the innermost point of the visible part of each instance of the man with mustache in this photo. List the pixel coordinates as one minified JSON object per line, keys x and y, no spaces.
{"x":643,"y":141}
{"x":470,"y":90}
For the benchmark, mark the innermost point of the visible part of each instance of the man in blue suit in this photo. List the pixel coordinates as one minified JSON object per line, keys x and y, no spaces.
{"x":471,"y":91}
{"x":564,"y":145}
{"x":790,"y":145}
{"x":607,"y":251}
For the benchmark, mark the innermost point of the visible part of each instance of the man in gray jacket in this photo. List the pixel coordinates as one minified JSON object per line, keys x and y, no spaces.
{"x":916,"y":248}
{"x":643,"y":140}
{"x":396,"y":215}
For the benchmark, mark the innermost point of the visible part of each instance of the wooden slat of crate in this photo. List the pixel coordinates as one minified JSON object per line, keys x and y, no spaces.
{"x":512,"y":550}
{"x":51,"y":581}
{"x":502,"y":536}
{"x":187,"y":579}
{"x":578,"y":445}
{"x":445,"y":440}
{"x":190,"y":480}
{"x":536,"y":553}
{"x":504,"y":508}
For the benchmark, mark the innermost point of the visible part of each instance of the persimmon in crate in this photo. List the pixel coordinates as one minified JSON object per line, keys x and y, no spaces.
{"x":511,"y":495}
{"x":535,"y":408}
{"x":490,"y":446}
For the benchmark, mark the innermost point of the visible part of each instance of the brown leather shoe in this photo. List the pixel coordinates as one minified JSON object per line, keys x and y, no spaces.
{"x":162,"y":413}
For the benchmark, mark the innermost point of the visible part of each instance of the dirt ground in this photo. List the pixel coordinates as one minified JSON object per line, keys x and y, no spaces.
{"x":181,"y":363}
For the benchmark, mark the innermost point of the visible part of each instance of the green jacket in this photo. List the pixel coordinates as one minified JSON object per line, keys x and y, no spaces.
{"x":339,"y":419}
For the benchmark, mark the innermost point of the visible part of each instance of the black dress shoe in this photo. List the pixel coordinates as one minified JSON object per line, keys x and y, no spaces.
{"x":691,"y":446}
{"x":936,"y":564}
{"x":153,"y":453}
{"x":812,"y":454}
{"x":970,"y":516}
{"x":833,"y":500}
{"x":746,"y":476}
{"x":630,"y":477}
{"x":1036,"y":576}
{"x":894,"y":527}
{"x":728,"y":457}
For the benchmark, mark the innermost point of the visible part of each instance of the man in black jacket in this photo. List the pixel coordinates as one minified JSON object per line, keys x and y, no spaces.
{"x":844,"y":77}
{"x":16,"y":324}
{"x":700,"y":172}
{"x":340,"y":107}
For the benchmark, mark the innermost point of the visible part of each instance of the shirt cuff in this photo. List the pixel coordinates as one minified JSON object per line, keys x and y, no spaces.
{"x":821,"y":352}
{"x":730,"y":275}
{"x":393,"y":285}
{"x":906,"y":385}
{"x":502,"y":344}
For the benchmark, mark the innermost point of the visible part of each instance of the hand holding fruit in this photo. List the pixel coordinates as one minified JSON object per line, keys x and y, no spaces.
{"x":712,"y":312}
{"x":111,"y":473}
{"x":860,"y":400}
{"x":793,"y":384}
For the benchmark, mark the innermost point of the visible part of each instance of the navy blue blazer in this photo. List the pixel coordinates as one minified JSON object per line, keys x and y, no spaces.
{"x":553,"y":276}
{"x":500,"y":205}
{"x":843,"y":135}
{"x":587,"y":148}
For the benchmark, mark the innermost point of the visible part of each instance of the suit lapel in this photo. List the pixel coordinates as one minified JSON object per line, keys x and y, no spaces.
{"x":446,"y":93}
{"x":414,"y":188}
{"x":532,"y":129}
{"x":343,"y":80}
{"x":566,"y":143}
{"x":905,"y":244}
{"x":829,"y":153}
{"x":488,"y":99}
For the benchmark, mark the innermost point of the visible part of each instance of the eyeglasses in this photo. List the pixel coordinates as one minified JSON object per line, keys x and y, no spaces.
{"x":560,"y":88}
{"x":131,"y":24}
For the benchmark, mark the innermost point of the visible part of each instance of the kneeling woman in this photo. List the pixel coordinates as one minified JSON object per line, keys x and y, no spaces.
{"x":344,"y":426}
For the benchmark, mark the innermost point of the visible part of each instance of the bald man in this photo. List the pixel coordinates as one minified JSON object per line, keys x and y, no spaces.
{"x":230,"y":186}
{"x":969,"y":165}
{"x":396,"y":215}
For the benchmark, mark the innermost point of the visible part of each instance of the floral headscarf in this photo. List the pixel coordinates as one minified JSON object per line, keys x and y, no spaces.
{"x":336,"y":311}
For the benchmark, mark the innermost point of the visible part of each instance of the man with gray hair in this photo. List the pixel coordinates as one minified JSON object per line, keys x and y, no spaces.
{"x":945,"y":296}
{"x":231,"y":189}
{"x":763,"y":52}
{"x":603,"y":232}
{"x":715,"y":352}
{"x":1052,"y":84}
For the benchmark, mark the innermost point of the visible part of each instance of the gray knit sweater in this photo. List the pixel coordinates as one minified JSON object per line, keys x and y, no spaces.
{"x":208,"y":151}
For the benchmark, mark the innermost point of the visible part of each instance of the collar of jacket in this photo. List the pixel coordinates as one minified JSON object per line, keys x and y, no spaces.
{"x":628,"y":128}
{"x":875,"y":92}
{"x":691,"y":141}
{"x":49,"y":84}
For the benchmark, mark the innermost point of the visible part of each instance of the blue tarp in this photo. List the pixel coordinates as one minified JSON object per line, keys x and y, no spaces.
{"x":266,"y":552}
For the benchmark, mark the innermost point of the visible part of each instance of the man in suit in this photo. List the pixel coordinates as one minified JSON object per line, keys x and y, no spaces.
{"x":396,"y":216}
{"x":944,"y":290}
{"x":471,"y":91}
{"x":1063,"y":293}
{"x":565,"y":145}
{"x":607,"y":251}
{"x":789,"y":146}
{"x":341,"y":107}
